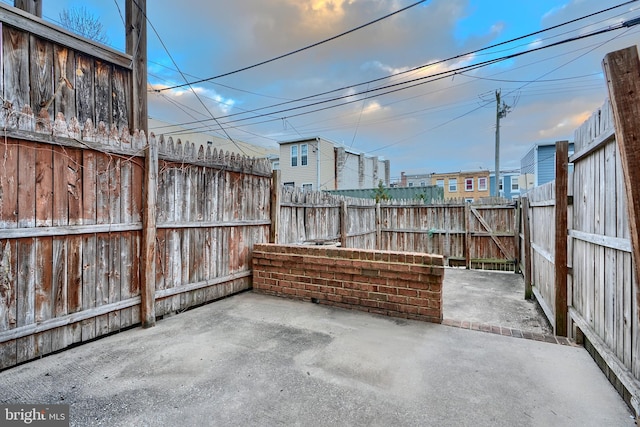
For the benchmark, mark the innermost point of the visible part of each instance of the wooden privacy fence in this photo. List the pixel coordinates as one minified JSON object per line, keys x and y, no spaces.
{"x":72,"y":238}
{"x":477,"y":236}
{"x":538,"y":255}
{"x":101,"y":229}
{"x":48,"y":72}
{"x":580,"y":233}
{"x":211,"y":210}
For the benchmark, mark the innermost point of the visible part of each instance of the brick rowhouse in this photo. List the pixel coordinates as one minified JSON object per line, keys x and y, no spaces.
{"x":398,"y":284}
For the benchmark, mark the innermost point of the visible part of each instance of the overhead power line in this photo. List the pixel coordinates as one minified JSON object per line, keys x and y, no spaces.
{"x":459,"y":56}
{"x":396,"y":87}
{"x":183,"y":76}
{"x":297,"y":50}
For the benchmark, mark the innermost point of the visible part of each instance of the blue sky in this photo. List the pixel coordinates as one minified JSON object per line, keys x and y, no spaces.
{"x":436,"y":127}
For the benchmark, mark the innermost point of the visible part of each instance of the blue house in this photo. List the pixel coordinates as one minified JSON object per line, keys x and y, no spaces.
{"x":539,"y":164}
{"x":509,"y":185}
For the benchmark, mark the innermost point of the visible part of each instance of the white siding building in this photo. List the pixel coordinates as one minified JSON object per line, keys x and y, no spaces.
{"x":319,"y":164}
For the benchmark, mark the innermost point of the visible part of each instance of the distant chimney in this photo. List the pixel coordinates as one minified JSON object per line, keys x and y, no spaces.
{"x":403,"y":179}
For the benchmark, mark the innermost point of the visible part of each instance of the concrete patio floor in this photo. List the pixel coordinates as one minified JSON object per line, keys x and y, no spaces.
{"x":493,"y":298}
{"x":263,"y":361}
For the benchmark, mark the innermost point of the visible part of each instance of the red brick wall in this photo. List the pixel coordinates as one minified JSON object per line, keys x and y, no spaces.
{"x":398,"y":284}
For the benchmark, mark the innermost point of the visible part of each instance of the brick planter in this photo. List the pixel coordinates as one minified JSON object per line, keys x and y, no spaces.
{"x":398,"y":284}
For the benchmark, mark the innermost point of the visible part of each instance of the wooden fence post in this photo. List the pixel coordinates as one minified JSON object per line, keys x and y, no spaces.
{"x":378,"y":226}
{"x":467,"y":235}
{"x":517,"y":229}
{"x":526,"y":227}
{"x":622,"y":71}
{"x":274,"y":232}
{"x":560,"y":256}
{"x":344,"y":217}
{"x":148,"y":265}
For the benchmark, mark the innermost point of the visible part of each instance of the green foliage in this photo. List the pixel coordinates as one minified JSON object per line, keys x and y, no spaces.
{"x":381,"y":193}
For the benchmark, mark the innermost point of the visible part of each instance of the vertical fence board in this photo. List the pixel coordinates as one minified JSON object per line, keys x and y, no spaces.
{"x":59,"y":290}
{"x":41,"y":77}
{"x":121,"y":84}
{"x":114,"y":280}
{"x":9,"y":184}
{"x":26,"y":297}
{"x":126,"y":242}
{"x":64,"y":80}
{"x":103,"y":272}
{"x":89,"y":208}
{"x":15,"y":48}
{"x":103,"y":92}
{"x":44,"y":185}
{"x":85,"y":87}
{"x":60,"y":187}
{"x":102,"y":254}
{"x":43,"y":275}
{"x":27,"y":186}
{"x":8,"y":299}
{"x":74,"y":286}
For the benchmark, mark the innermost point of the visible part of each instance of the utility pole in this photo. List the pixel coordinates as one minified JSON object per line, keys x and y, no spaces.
{"x":501,"y":112}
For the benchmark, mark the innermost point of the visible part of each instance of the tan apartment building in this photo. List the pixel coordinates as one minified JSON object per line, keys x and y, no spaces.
{"x":467,"y":185}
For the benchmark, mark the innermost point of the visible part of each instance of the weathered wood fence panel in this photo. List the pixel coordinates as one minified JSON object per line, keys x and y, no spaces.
{"x":362,"y":224}
{"x":492,"y":236}
{"x":49,"y":72}
{"x":69,"y":242}
{"x":602,"y":296}
{"x":437,"y":229}
{"x":477,"y":236}
{"x":541,"y":202}
{"x":212,"y":211}
{"x":71,"y":235}
{"x":604,"y":284}
{"x":308,"y":216}
{"x":72,"y":196}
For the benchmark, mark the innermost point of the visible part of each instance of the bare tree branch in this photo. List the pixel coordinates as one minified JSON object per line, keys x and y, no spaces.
{"x":84,"y":23}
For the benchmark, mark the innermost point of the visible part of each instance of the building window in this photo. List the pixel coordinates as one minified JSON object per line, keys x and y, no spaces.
{"x":468,"y":184}
{"x":304,"y":154}
{"x":469,"y":200}
{"x":411,"y":184}
{"x":482,"y":184}
{"x":440,"y":183}
{"x":453,"y":185}
{"x":501,"y":187}
{"x":294,"y":155}
{"x":423,"y":184}
{"x":307,"y":187}
{"x":289,"y":184}
{"x":514,"y":185}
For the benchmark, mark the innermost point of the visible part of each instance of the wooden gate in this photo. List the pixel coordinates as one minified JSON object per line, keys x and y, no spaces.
{"x":492,"y":233}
